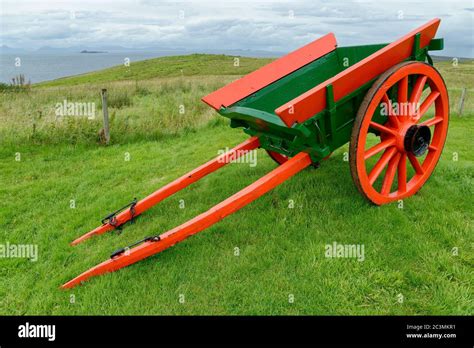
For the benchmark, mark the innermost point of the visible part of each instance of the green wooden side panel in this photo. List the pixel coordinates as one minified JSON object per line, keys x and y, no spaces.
{"x":291,"y":86}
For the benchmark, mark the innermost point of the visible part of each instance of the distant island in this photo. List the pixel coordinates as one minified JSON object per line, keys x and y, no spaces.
{"x":86,"y":51}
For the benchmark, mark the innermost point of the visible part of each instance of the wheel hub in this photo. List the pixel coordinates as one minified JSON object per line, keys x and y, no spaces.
{"x":417,"y":139}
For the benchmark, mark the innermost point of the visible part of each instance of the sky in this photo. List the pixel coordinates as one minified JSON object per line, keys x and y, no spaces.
{"x":276,"y":26}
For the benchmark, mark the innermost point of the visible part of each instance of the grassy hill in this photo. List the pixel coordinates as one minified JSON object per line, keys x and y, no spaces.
{"x":188,"y":65}
{"x":418,"y":260}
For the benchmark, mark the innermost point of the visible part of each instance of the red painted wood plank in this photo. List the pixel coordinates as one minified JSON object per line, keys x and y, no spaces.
{"x":313,"y":101}
{"x":245,"y":86}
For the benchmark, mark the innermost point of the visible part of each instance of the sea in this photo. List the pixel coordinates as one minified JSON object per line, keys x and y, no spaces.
{"x":43,"y":66}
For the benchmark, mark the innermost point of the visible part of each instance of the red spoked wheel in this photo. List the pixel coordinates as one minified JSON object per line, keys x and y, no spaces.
{"x":407,"y":145}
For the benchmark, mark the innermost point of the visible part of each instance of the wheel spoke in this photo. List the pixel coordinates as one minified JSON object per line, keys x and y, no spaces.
{"x":403,"y":90}
{"x":416,"y":165}
{"x":379,"y":147}
{"x":432,"y":121}
{"x":402,"y":174}
{"x":390,"y":174}
{"x":418,"y":89}
{"x":426,"y":105}
{"x":382,"y":128}
{"x":402,"y":97}
{"x":392,"y":117}
{"x":432,"y":148}
{"x":380,"y":165}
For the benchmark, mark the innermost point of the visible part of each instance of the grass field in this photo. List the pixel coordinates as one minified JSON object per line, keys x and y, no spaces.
{"x":418,"y":258}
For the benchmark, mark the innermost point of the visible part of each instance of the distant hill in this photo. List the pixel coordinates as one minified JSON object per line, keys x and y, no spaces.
{"x":8,"y":49}
{"x":87,"y":51}
{"x":168,"y":66}
{"x":447,"y":58}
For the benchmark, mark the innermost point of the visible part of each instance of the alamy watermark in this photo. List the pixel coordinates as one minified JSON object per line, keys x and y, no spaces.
{"x":337,"y":250}
{"x":37,"y":331}
{"x":83,"y":109}
{"x":25,"y":251}
{"x":399,"y":109}
{"x":240,"y":156}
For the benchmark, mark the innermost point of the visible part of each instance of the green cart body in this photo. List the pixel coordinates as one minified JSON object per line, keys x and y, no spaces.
{"x":327,"y":130}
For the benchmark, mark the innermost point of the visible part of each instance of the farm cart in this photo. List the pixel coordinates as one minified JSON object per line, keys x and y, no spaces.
{"x":307,"y":104}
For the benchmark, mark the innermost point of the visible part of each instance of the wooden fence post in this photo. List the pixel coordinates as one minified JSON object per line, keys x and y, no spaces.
{"x":461,"y":101}
{"x":105,"y":111}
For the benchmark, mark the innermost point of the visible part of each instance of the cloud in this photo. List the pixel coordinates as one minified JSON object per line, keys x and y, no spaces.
{"x":258,"y":25}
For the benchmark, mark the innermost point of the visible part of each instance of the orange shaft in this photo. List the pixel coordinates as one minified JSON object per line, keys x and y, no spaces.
{"x":175,"y":186}
{"x":200,"y":222}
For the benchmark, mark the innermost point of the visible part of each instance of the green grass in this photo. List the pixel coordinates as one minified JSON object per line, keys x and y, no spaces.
{"x":408,"y":251}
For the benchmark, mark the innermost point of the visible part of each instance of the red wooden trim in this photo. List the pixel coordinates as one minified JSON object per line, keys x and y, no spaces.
{"x":245,"y":86}
{"x":175,"y":186}
{"x":200,"y":222}
{"x":313,"y":101}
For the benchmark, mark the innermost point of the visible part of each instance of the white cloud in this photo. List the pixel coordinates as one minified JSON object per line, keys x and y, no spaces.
{"x":257,"y":25}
